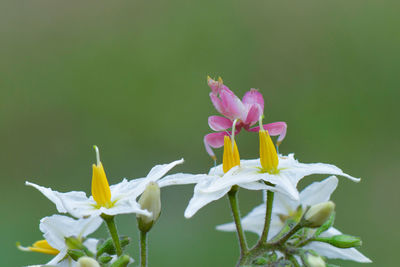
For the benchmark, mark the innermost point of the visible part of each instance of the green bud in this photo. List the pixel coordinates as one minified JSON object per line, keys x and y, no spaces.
{"x":104,"y":259}
{"x":315,"y":261}
{"x":124,"y":241}
{"x":87,"y":262}
{"x":122,"y":261}
{"x":74,"y":243}
{"x":149,"y":200}
{"x":328,"y":224}
{"x":106,"y":247}
{"x":318,"y":214}
{"x":341,"y":241}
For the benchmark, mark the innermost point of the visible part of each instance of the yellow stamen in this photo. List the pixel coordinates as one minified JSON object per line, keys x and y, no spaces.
{"x":268,"y":156}
{"x":100,"y":188}
{"x":231,"y":156}
{"x":40,"y":246}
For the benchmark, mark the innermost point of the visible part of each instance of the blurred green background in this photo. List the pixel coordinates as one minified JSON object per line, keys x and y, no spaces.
{"x":130,"y":76}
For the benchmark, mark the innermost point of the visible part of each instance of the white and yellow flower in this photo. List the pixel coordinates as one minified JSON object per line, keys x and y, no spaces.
{"x":271,"y":171}
{"x":56,"y":229}
{"x":285,"y":207}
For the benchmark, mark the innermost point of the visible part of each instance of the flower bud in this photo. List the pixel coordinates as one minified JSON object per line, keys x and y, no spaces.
{"x":87,"y":262}
{"x":341,"y":241}
{"x":318,"y":214}
{"x":315,"y":261}
{"x":150,"y":200}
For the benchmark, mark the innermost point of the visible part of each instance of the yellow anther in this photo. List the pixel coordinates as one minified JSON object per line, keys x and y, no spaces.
{"x":220,"y":81}
{"x":100,"y":188}
{"x":268,"y":156}
{"x":231,"y":156}
{"x":40,"y":246}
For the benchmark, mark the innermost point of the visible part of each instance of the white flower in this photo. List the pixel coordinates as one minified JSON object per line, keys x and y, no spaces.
{"x":55,"y":229}
{"x":283,"y":206}
{"x":110,"y":200}
{"x":249,"y":175}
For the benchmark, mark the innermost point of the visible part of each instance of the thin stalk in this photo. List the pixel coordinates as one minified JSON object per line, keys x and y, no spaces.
{"x":292,"y":231}
{"x":268,"y":213}
{"x":143,"y":249}
{"x":232,"y":195}
{"x":112,"y":228}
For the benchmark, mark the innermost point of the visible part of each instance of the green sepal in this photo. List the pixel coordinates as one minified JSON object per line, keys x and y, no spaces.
{"x":75,"y":254}
{"x":104,"y":259}
{"x":74,"y":243}
{"x":341,"y":241}
{"x":328,"y":224}
{"x":122,"y":261}
{"x":108,"y":246}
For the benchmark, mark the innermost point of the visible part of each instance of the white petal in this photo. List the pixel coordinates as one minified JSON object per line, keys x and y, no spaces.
{"x":56,"y":260}
{"x":180,"y":179}
{"x":124,"y":206}
{"x":50,"y":194}
{"x":159,"y":171}
{"x":283,"y":185}
{"x":255,"y":186}
{"x":55,"y":228}
{"x":78,"y":204}
{"x":337,"y":253}
{"x":236,"y":175}
{"x":84,"y":227}
{"x":318,"y":192}
{"x":201,"y":198}
{"x":299,"y":170}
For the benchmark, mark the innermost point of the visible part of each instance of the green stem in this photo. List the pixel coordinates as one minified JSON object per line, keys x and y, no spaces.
{"x":268,"y":213}
{"x":112,"y":228}
{"x":232,"y":195}
{"x":143,"y":249}
{"x":292,"y":231}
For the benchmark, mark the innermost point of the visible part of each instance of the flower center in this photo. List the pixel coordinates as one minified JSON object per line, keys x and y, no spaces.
{"x":231,"y":156}
{"x":100,"y":188}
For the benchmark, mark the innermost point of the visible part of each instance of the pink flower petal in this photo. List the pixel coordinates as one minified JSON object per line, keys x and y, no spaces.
{"x":253,"y":115}
{"x":218,"y":123}
{"x":216,"y":140}
{"x":217,"y":103}
{"x":253,"y":97}
{"x":232,"y":106}
{"x":275,"y":128}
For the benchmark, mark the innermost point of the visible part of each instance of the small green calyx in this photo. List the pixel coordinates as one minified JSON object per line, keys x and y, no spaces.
{"x":74,"y":243}
{"x":75,"y":254}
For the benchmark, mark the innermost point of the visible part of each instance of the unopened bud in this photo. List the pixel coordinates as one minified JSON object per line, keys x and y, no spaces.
{"x":150,"y":200}
{"x":87,"y":262}
{"x":315,"y":261}
{"x":318,"y":214}
{"x":341,"y":241}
